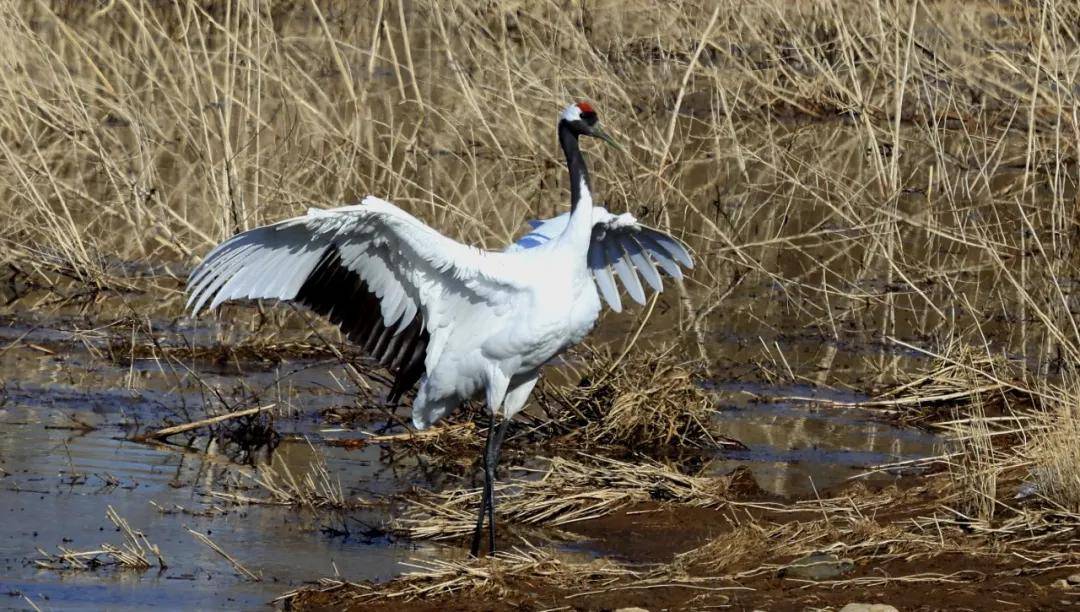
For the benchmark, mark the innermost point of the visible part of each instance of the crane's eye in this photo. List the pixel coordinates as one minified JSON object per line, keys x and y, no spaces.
{"x":589,"y":117}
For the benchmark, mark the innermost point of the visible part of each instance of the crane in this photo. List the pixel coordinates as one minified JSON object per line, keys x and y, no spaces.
{"x":452,"y":320}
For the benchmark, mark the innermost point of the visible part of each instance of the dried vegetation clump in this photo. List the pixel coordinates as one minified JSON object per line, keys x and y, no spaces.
{"x":857,"y":528}
{"x":136,"y":552}
{"x":959,"y":381}
{"x":314,"y":489}
{"x":495,"y":577}
{"x":519,"y":577}
{"x":1054,"y":453}
{"x":647,"y":401}
{"x":567,"y":490}
{"x":1011,"y":462}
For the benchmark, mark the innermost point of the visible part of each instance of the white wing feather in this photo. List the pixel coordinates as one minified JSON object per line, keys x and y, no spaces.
{"x":409,"y":266}
{"x":620,"y":247}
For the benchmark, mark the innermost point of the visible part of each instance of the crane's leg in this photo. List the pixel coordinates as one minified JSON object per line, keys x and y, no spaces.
{"x":491,"y":453}
{"x":512,"y":401}
{"x":492,"y":465}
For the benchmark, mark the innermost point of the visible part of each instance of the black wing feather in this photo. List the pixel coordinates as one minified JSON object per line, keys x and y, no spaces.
{"x":359,"y":317}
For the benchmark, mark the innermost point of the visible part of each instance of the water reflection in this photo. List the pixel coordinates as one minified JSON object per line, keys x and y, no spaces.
{"x":797,"y":448}
{"x":68,"y":413}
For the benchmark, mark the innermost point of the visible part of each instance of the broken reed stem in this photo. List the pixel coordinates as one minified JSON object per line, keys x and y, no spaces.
{"x":175,"y":429}
{"x":239,"y":567}
{"x":133,"y":553}
{"x":137,"y":547}
{"x":314,"y":490}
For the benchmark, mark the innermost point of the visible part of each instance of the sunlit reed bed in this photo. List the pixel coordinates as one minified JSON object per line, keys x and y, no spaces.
{"x":866,"y":188}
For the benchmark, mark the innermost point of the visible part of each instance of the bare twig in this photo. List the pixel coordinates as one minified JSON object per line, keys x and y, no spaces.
{"x":175,"y":429}
{"x":214,"y":547}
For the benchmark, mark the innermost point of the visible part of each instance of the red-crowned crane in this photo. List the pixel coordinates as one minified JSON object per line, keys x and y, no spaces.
{"x":455,"y":320}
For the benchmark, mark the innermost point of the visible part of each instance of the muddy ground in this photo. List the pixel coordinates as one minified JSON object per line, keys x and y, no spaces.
{"x":655,"y":533}
{"x":81,"y":390}
{"x":78,"y":397}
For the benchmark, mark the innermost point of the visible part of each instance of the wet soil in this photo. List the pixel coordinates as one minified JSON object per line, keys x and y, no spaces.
{"x":80,"y":388}
{"x":656,"y":534}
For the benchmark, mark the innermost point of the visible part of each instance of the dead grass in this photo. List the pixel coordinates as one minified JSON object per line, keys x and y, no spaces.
{"x":314,"y":489}
{"x":491,"y":577}
{"x":894,"y":175}
{"x":873,"y":530}
{"x":1055,"y":458}
{"x":513,"y":577}
{"x":567,"y":490}
{"x":884,"y":170}
{"x":874,"y":539}
{"x":960,"y":381}
{"x":1009,"y":456}
{"x":647,"y":402}
{"x":868,"y":164}
{"x":136,"y":552}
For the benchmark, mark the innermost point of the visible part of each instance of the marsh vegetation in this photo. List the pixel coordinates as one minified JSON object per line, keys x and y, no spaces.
{"x":880,"y":336}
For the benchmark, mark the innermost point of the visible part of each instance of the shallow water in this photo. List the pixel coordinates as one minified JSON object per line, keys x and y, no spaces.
{"x":57,"y":482}
{"x":798,"y":448}
{"x":59,"y":476}
{"x":60,"y":484}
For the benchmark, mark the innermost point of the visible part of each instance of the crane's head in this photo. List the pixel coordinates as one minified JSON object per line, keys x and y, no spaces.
{"x":582,"y":121}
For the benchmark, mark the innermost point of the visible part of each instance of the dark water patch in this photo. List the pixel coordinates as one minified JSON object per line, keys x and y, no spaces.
{"x":57,"y":486}
{"x":798,"y":448}
{"x":69,"y":412}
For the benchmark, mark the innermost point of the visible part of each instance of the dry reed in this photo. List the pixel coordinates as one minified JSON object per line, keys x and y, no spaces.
{"x":136,"y":552}
{"x":647,"y":402}
{"x":883,"y":174}
{"x":568,"y":490}
{"x":314,"y":489}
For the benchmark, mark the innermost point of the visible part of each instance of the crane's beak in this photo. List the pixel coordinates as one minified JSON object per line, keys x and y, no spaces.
{"x":599,"y":132}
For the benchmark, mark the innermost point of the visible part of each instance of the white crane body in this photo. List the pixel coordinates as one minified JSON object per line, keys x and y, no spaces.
{"x":452,"y":320}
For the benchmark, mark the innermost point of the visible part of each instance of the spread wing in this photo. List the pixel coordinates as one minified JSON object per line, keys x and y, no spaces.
{"x":620,"y":248}
{"x":385,"y":278}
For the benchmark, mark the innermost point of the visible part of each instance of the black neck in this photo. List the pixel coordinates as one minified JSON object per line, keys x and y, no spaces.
{"x":575,"y":162}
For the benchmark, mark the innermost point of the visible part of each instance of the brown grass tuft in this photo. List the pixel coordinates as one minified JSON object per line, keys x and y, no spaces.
{"x":649,"y":402}
{"x":568,"y":490}
{"x":136,"y":552}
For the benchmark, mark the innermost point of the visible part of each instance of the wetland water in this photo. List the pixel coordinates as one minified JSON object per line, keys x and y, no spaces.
{"x":835,"y":194}
{"x":70,"y":412}
{"x":59,"y":476}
